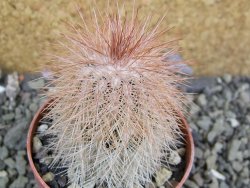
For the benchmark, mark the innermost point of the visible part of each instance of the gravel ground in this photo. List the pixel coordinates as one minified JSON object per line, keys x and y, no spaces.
{"x":219,"y":118}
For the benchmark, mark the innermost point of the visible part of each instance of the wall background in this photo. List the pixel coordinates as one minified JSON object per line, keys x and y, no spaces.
{"x":216,"y":33}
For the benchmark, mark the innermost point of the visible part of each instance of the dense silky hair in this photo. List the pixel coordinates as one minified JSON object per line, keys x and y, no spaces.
{"x":116,"y":104}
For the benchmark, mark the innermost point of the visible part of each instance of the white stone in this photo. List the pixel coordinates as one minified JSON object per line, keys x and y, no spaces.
{"x":234,"y":122}
{"x":42,"y":128}
{"x":2,"y":89}
{"x":217,"y":174}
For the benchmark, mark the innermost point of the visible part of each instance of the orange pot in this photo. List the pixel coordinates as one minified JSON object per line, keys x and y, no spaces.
{"x":189,"y":155}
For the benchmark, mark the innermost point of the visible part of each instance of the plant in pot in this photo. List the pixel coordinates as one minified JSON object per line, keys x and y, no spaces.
{"x":115,"y":109}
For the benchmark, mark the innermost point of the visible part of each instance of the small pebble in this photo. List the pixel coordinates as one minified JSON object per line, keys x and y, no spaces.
{"x":3,"y":174}
{"x":198,"y":179}
{"x":234,"y":123}
{"x":37,"y":144}
{"x":202,"y":101}
{"x":42,"y":128}
{"x":48,"y":177}
{"x":217,"y":174}
{"x":3,"y":153}
{"x":21,"y":181}
{"x":191,"y":184}
{"x":2,"y":89}
{"x":162,"y":176}
{"x":10,"y":162}
{"x":227,"y":78}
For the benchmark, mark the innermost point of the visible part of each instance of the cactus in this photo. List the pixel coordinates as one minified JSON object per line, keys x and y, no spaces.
{"x":116,"y":103}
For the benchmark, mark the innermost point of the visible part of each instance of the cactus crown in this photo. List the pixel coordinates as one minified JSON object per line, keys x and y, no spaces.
{"x":115,"y":102}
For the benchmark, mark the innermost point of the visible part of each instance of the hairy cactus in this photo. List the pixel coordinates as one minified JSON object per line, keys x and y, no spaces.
{"x":115,"y":102}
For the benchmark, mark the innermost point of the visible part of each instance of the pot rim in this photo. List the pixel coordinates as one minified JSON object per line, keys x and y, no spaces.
{"x":189,"y":155}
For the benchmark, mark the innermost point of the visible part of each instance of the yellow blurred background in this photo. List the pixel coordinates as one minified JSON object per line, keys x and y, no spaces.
{"x":215,"y":33}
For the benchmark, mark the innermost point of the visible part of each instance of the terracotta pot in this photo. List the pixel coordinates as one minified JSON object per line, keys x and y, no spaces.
{"x":189,"y":156}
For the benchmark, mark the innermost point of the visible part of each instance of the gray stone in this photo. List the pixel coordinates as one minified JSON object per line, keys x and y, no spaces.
{"x":162,"y":176}
{"x":191,"y":184}
{"x":33,"y":107}
{"x":12,"y":172}
{"x":211,"y":161}
{"x":245,"y":96}
{"x":194,"y":109}
{"x":229,"y":130}
{"x":246,"y":154}
{"x":21,"y":181}
{"x":217,"y":129}
{"x":198,"y":85}
{"x":48,"y":177}
{"x":62,"y":181}
{"x":37,"y":144}
{"x":198,"y":153}
{"x":211,"y":136}
{"x":230,"y":114}
{"x":28,"y":114}
{"x":227,"y":78}
{"x":215,"y":114}
{"x":216,"y":89}
{"x":12,"y":88}
{"x":4,"y":181}
{"x":10,"y":162}
{"x":36,"y":84}
{"x":228,"y":94}
{"x":233,"y":150}
{"x":245,"y":172}
{"x":237,"y":166}
{"x":3,"y":152}
{"x":218,"y":147}
{"x":198,"y":179}
{"x":1,"y":139}
{"x":202,"y":101}
{"x":204,"y":123}
{"x":2,"y":165}
{"x":214,"y":184}
{"x":18,"y":113}
{"x":8,"y":117}
{"x":14,"y":134}
{"x":193,"y":126}
{"x":224,"y":185}
{"x":21,"y":152}
{"x":20,"y":165}
{"x":248,"y":118}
